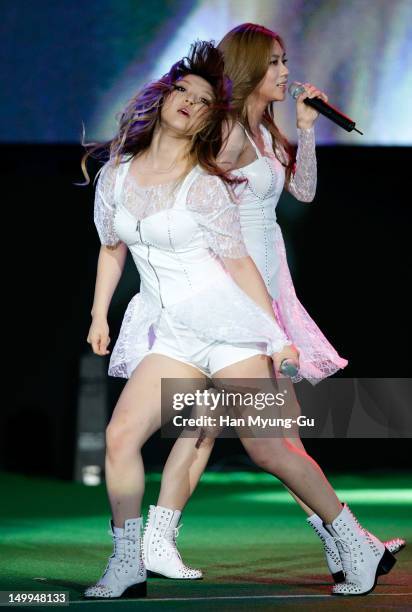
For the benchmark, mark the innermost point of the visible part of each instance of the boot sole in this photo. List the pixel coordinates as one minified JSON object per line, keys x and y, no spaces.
{"x":151,"y":574}
{"x":384,"y":567}
{"x":338,"y":577}
{"x":383,"y":570}
{"x":386,"y":563}
{"x":134,"y":591}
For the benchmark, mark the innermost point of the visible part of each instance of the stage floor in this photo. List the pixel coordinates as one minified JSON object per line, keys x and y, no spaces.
{"x":242,"y":528}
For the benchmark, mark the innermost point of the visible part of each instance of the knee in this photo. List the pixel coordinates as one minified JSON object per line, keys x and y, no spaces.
{"x":268,"y":455}
{"x":119,"y":441}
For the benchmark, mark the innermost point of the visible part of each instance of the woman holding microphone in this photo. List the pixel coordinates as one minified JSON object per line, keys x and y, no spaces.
{"x":256,"y":150}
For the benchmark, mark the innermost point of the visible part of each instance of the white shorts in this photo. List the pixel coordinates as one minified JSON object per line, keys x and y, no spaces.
{"x":179,"y":342}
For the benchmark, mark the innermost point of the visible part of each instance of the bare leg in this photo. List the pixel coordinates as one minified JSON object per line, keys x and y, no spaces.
{"x":183,"y":469}
{"x":278,"y":456}
{"x":186,"y":464}
{"x":135,"y":418}
{"x":308,"y":511}
{"x":292,"y":410}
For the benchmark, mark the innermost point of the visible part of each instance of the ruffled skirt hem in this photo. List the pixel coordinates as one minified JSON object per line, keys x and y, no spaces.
{"x":317,"y":357}
{"x":223,"y":313}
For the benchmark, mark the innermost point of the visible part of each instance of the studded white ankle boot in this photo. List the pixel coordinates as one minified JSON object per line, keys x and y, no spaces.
{"x":395,"y":545}
{"x":333,"y":559}
{"x":363,"y":556}
{"x":125,"y":573}
{"x":159,"y":551}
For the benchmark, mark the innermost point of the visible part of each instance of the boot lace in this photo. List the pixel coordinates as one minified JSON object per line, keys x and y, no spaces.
{"x":118,"y":543}
{"x":170,"y":535}
{"x":119,"y":556}
{"x":345,"y":553}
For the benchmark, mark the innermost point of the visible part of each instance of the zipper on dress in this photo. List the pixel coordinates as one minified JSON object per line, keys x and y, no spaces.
{"x":149,"y":262}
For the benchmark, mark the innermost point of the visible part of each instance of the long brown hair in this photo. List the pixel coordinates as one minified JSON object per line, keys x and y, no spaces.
{"x":247,"y":50}
{"x":140,"y":116}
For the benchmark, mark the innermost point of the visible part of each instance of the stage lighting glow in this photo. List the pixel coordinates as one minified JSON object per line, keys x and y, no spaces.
{"x":91,"y":475}
{"x":358,"y":496}
{"x":358,"y":51}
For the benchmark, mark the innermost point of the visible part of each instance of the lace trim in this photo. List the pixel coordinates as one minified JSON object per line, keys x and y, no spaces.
{"x":206,"y":314}
{"x":318,"y":359}
{"x":104,"y":207}
{"x":219,"y":218}
{"x":142,"y":202}
{"x":208,"y":200}
{"x":302,"y":184}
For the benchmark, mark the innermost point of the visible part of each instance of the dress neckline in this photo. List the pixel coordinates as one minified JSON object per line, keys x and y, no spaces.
{"x":263,"y":132}
{"x":259,"y":156}
{"x":143,"y":188}
{"x":135,"y":185}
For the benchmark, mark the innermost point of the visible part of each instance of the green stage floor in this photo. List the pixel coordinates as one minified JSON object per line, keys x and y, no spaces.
{"x":241,"y":528}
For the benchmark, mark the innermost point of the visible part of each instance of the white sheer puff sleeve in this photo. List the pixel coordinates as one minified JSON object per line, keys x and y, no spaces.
{"x":302,"y":184}
{"x":104,"y":205}
{"x":209,"y":201}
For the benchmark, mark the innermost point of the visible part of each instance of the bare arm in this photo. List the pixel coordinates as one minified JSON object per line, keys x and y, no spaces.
{"x":233,"y":144}
{"x":110,"y":264}
{"x":302,"y":184}
{"x":109,"y":271}
{"x":242,"y":269}
{"x":219,"y":219}
{"x":244,"y":272}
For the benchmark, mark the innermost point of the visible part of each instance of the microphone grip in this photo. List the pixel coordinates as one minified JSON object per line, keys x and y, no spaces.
{"x":331,"y":113}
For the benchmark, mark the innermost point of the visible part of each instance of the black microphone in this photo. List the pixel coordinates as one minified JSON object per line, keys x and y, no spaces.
{"x":325,"y":109}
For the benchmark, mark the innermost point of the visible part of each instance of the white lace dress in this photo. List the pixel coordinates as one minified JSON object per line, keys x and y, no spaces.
{"x":177,"y":236}
{"x":263,"y":237}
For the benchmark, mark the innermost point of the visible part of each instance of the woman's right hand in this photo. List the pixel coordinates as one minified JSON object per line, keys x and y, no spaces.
{"x":288,"y":352}
{"x":98,"y":336}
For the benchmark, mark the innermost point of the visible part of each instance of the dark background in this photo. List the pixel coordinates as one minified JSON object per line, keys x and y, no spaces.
{"x":348,"y":256}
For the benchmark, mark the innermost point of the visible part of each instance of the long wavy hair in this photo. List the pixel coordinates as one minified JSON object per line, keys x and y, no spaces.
{"x":247,"y":50}
{"x":142,"y":113}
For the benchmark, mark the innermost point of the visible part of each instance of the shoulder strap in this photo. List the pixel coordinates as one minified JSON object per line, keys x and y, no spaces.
{"x":249,"y":137}
{"x":180,"y":201}
{"x":267,"y":136}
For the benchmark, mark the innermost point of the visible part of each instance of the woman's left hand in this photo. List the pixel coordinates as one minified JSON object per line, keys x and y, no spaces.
{"x":306,"y":115}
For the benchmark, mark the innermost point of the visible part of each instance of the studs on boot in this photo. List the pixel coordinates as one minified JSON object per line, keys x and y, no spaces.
{"x":116,"y":582}
{"x":333,"y":559}
{"x":363,"y":562}
{"x":160,"y":553}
